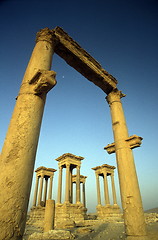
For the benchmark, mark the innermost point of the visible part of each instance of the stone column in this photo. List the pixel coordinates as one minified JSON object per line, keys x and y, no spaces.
{"x":67,"y":187}
{"x":106,"y":191}
{"x":129,"y":187}
{"x":84,"y":194}
{"x":98,"y":189}
{"x":50,"y":187}
{"x":36,"y":191}
{"x":59,"y":184}
{"x":78,"y":185}
{"x":49,"y":215}
{"x":40,"y":190}
{"x":19,"y":149}
{"x":71,"y":196}
{"x":45,"y":190}
{"x":113,"y":189}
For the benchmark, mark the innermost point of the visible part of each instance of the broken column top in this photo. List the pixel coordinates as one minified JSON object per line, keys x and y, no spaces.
{"x":80,"y":60}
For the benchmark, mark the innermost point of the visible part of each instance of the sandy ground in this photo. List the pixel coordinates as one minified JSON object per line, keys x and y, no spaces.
{"x":115,"y":231}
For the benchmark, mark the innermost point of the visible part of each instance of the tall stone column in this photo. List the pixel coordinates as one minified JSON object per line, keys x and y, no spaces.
{"x":40,"y":190}
{"x":106,"y":191}
{"x":50,"y":187}
{"x":78,"y":185}
{"x":45,"y":190}
{"x":130,"y":193}
{"x":67,"y":187}
{"x":19,"y":149}
{"x":84,"y":194}
{"x":36,"y":191}
{"x":59,"y":185}
{"x":113,"y":189}
{"x":98,"y":189}
{"x":71,"y":191}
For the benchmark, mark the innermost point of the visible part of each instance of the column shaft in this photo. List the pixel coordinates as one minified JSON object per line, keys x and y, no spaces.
{"x":71,"y":196}
{"x":40,"y":190}
{"x":36,"y":191}
{"x":67,"y":187}
{"x":113,"y":189}
{"x":129,"y":187}
{"x":78,"y":185}
{"x":50,"y":187}
{"x":84,"y":194}
{"x":19,"y":149}
{"x":98,"y":189}
{"x":45,"y":190}
{"x":59,"y":185}
{"x":106,"y":191}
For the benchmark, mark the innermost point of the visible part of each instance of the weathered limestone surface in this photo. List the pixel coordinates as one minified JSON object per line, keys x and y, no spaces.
{"x":80,"y":60}
{"x":66,"y":211}
{"x":130,"y":193}
{"x":51,"y":235}
{"x":19,"y":150}
{"x":49,"y":215}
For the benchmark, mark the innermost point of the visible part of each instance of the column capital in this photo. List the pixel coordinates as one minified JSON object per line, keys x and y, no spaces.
{"x":114,"y":96}
{"x":47,"y":35}
{"x":78,"y":167}
{"x":132,"y":142}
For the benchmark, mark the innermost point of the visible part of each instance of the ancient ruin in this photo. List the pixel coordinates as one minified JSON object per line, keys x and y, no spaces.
{"x":68,"y":209}
{"x":106,"y":210}
{"x":19,"y":149}
{"x":43,"y":173}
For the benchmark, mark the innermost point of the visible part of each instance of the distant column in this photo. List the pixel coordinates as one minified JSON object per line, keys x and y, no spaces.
{"x":84,"y":194}
{"x":106,"y":191}
{"x":71,"y":191}
{"x":98,"y":189}
{"x":78,"y":185}
{"x":50,"y":187}
{"x":40,"y":190}
{"x":67,"y":187}
{"x":45,"y":190}
{"x":36,"y":191}
{"x":113,"y":189}
{"x":59,"y":185}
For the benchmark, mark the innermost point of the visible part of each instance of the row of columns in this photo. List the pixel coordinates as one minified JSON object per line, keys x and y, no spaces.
{"x":69,"y":161}
{"x":104,"y":171}
{"x":43,"y":174}
{"x":68,"y":184}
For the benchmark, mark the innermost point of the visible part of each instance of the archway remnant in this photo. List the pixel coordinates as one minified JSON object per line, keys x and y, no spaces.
{"x":19,"y":149}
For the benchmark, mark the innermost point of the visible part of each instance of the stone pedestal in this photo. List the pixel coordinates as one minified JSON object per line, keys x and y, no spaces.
{"x":107,"y":211}
{"x":67,"y":211}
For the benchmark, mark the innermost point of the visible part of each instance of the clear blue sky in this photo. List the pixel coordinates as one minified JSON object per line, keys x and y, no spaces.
{"x":122,"y":35}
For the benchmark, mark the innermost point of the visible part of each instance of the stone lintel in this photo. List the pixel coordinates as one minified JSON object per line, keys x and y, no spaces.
{"x":82,"y":178}
{"x":100,"y":170}
{"x":133,"y":142}
{"x":69,"y":158}
{"x":43,"y":171}
{"x":83,"y":62}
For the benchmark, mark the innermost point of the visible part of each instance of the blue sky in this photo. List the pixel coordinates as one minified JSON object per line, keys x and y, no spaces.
{"x":122,"y":36}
